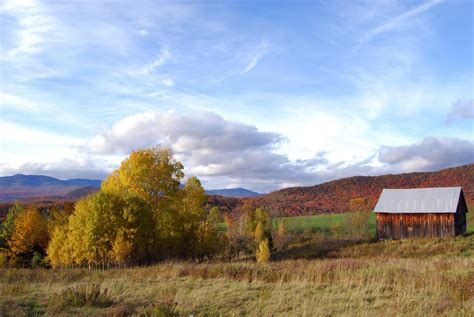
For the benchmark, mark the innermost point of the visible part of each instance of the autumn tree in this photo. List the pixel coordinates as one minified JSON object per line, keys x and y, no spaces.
{"x":263,"y":252}
{"x":30,"y":235}
{"x":152,"y":174}
{"x":209,"y":240}
{"x":248,"y":214}
{"x":281,"y":230}
{"x":356,"y":223}
{"x":8,"y":225}
{"x":259,"y":232}
{"x":99,"y":223}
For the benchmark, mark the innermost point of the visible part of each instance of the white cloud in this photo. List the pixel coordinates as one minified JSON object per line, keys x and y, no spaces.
{"x":262,"y":51}
{"x":34,"y":27}
{"x":168,"y":82}
{"x":162,"y":58}
{"x":64,"y":168}
{"x":427,"y":155}
{"x":17,"y":103}
{"x":143,"y":33}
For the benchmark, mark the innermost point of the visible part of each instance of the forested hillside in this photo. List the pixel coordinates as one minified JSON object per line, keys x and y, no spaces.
{"x":335,"y":196}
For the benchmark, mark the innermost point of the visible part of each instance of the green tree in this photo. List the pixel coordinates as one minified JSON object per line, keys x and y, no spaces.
{"x":209,"y":240}
{"x":248,"y":213}
{"x":8,"y":225}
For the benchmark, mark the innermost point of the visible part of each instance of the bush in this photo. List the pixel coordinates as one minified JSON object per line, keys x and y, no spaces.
{"x":80,"y":296}
{"x":37,"y":261}
{"x":3,"y":260}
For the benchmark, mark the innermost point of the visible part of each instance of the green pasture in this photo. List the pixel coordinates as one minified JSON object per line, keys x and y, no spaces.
{"x":327,"y":222}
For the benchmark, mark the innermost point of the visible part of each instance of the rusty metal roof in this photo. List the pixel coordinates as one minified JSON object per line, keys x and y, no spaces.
{"x":419,"y":200}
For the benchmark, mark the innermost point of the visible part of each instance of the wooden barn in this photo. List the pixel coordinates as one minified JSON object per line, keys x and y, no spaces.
{"x":421,"y":212}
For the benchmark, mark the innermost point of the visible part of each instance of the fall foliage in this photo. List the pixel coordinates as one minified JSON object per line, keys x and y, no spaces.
{"x":30,"y":235}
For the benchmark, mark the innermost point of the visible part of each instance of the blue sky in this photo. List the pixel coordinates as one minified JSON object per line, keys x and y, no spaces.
{"x":259,"y":94}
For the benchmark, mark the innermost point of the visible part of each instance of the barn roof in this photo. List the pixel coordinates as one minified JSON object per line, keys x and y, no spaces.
{"x":419,"y":200}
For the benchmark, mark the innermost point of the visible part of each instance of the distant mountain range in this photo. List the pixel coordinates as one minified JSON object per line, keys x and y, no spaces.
{"x":232,"y":192}
{"x":329,"y":197}
{"x":19,"y":187}
{"x":40,"y":187}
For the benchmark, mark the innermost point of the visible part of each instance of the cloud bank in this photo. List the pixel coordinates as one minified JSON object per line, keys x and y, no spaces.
{"x":229,"y":152}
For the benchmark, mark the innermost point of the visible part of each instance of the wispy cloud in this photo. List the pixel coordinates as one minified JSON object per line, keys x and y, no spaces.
{"x":399,"y":20}
{"x":34,"y":25}
{"x":164,"y":56}
{"x":262,"y":51}
{"x":16,"y":103}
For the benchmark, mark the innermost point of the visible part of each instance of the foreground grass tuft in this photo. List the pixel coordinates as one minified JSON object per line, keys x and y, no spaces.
{"x":80,"y":296}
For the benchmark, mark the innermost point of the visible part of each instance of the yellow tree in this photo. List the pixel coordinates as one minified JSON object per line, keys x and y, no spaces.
{"x":259,"y":232}
{"x":152,"y":174}
{"x":30,"y":234}
{"x":190,"y":225}
{"x":122,"y":249}
{"x":59,"y":248}
{"x":263,"y":252}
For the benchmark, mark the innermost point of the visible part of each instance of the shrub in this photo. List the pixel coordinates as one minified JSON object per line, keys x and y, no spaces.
{"x":37,"y":261}
{"x":80,"y":296}
{"x":3,"y":260}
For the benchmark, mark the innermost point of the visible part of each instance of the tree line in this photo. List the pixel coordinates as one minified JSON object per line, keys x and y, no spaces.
{"x":140,"y":215}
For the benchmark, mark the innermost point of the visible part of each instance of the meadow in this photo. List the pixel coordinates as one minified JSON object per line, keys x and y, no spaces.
{"x":351,"y":277}
{"x":316,"y":275}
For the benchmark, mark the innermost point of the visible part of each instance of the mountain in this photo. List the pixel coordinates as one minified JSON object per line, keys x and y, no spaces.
{"x":233,"y":192}
{"x":335,"y":196}
{"x":35,"y":188}
{"x":18,"y":187}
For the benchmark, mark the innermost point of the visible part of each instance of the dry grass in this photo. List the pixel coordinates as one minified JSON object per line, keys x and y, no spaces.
{"x":414,"y":277}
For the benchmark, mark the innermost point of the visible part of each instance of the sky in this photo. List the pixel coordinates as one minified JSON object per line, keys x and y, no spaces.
{"x":254,"y":94}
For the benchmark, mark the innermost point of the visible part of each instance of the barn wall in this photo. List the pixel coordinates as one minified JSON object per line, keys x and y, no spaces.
{"x":400,"y":226}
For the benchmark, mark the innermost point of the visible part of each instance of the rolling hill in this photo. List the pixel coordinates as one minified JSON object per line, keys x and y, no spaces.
{"x":335,"y":196}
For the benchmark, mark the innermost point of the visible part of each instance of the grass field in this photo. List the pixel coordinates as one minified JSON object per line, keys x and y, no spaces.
{"x":324,"y":223}
{"x":420,"y":277}
{"x":318,"y":223}
{"x":316,"y":275}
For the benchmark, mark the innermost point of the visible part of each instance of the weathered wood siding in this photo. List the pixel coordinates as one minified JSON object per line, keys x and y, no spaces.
{"x":400,"y":226}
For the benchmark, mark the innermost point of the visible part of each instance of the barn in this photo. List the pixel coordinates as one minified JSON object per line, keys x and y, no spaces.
{"x":420,"y":212}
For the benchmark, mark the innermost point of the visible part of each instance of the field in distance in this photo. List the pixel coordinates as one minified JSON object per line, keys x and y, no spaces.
{"x":326,"y":223}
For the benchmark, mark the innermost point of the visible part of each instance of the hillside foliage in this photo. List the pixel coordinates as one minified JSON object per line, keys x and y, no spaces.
{"x":357,"y":193}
